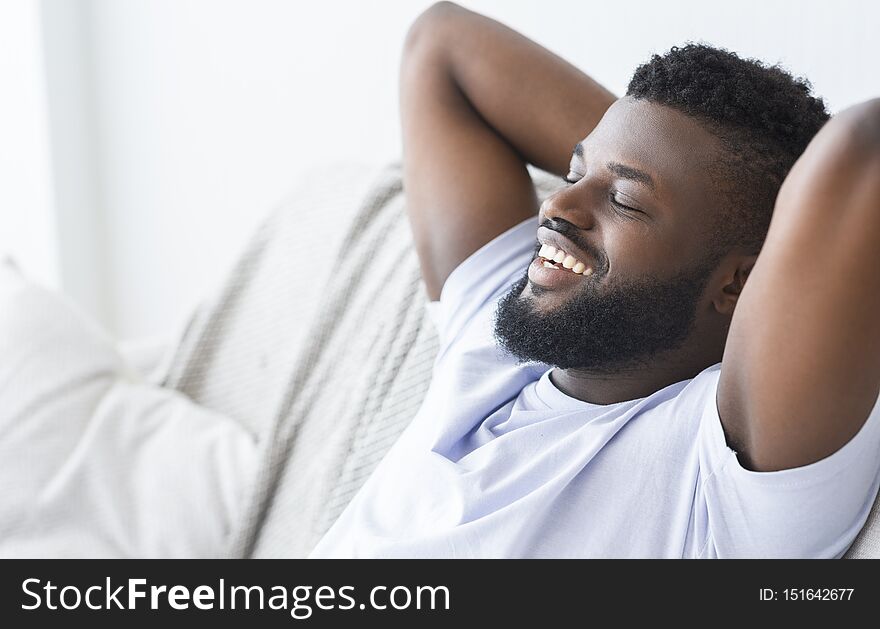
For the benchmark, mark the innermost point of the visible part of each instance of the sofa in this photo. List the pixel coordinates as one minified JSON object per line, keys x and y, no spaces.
{"x":318,"y":346}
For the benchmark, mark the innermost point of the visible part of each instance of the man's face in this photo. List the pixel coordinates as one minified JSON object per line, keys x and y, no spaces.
{"x":637,"y":223}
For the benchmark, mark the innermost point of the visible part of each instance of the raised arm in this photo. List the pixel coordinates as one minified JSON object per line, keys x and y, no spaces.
{"x":478,"y":102}
{"x":801,"y":370}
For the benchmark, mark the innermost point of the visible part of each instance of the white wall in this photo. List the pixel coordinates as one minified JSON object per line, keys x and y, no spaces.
{"x":195,"y":116}
{"x":78,"y":176}
{"x":27,"y":228}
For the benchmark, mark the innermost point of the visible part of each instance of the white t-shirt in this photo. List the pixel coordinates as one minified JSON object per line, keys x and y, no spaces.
{"x":498,"y":462}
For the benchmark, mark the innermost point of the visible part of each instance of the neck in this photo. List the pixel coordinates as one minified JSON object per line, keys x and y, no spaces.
{"x":630,"y":383}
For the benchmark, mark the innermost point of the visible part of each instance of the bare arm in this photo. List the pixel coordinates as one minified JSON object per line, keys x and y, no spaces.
{"x":801,"y":370}
{"x":479,"y":102}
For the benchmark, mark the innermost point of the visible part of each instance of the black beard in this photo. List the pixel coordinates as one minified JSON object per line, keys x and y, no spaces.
{"x":621,"y":328}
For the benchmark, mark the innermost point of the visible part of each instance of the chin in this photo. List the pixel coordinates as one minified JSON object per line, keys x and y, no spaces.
{"x":544,"y":300}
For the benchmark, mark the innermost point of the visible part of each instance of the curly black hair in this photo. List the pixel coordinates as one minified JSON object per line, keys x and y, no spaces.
{"x":763,"y":116}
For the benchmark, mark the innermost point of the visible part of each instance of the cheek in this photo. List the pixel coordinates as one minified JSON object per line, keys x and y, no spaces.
{"x":640,"y":250}
{"x":631,"y":251}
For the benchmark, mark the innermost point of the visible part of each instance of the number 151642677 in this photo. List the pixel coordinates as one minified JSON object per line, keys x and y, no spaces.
{"x":807,"y":594}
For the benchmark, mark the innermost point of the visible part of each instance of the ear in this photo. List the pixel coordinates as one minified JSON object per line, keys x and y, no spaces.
{"x":734,"y":273}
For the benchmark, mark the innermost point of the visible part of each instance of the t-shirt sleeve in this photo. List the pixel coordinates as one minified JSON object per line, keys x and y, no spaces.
{"x":812,"y":511}
{"x":482,"y":278}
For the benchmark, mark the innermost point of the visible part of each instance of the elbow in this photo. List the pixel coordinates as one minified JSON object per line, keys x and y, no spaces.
{"x":426,"y":31}
{"x":867,"y":115}
{"x":859,"y":128}
{"x":869,"y":124}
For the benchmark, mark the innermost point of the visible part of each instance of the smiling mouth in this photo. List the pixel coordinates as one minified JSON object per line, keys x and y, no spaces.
{"x":553,"y":258}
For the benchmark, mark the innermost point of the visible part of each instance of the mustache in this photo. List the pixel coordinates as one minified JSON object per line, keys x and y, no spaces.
{"x":570,"y":231}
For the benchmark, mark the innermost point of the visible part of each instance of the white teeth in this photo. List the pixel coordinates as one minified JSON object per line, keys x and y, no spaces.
{"x":549,"y":252}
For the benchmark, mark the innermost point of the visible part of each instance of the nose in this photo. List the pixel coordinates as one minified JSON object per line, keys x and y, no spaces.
{"x":565,"y":204}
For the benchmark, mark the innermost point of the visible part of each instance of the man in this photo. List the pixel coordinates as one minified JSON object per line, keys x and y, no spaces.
{"x":609,"y":383}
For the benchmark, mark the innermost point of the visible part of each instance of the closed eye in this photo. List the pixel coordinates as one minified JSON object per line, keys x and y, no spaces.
{"x":623,"y":208}
{"x":573,"y":178}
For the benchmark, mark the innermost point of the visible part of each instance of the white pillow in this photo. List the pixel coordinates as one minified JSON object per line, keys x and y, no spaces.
{"x":96,"y":462}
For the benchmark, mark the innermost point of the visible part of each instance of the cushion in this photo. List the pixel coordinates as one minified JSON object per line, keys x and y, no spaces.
{"x":95,"y":461}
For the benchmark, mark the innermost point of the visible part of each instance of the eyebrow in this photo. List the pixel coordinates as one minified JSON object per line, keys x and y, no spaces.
{"x":634,"y":174}
{"x":621,"y":170}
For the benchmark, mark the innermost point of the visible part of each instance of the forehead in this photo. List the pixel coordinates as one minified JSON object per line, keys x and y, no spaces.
{"x":671,"y":146}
